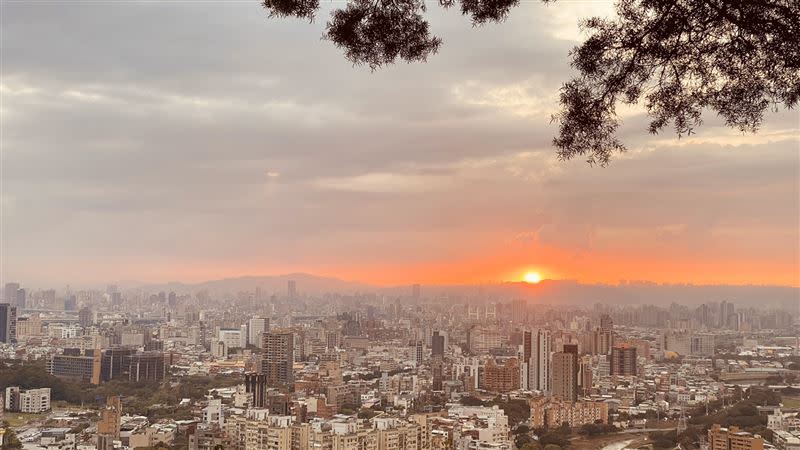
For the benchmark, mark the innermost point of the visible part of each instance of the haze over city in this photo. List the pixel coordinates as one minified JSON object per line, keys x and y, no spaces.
{"x":400,"y":225}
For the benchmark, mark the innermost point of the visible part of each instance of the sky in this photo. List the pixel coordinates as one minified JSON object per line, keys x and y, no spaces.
{"x":196,"y":140}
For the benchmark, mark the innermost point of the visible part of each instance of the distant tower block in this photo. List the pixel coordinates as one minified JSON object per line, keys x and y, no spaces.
{"x":292,"y":288}
{"x":416,"y":291}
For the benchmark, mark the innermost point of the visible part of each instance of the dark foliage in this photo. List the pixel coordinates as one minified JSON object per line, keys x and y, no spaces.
{"x":677,"y":58}
{"x":680,"y":57}
{"x":138,"y":398}
{"x":517,"y":410}
{"x":663,"y":439}
{"x":378,"y":32}
{"x":9,"y":440}
{"x":522,"y":429}
{"x":471,"y":401}
{"x":594,"y":429}
{"x":554,"y":438}
{"x":743,"y":414}
{"x":33,"y":374}
{"x":521,"y":439}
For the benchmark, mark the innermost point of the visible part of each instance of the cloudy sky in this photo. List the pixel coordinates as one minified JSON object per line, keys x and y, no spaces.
{"x":193,"y":140}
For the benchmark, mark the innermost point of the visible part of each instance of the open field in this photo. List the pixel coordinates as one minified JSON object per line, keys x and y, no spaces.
{"x":20,"y":419}
{"x":791,"y":402}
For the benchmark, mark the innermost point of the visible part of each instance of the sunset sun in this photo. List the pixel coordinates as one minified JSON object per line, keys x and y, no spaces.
{"x":532,"y":277}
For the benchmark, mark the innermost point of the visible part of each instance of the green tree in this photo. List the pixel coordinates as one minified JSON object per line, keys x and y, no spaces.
{"x":10,"y":440}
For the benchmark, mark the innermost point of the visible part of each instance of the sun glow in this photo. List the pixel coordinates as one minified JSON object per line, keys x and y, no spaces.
{"x":532,"y":277}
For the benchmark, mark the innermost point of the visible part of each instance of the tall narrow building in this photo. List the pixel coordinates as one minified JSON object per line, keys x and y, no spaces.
{"x":535,"y":368}
{"x":606,"y":323}
{"x":277,"y":359}
{"x":623,"y":360}
{"x":437,"y":344}
{"x":255,"y":328}
{"x":419,"y":353}
{"x":10,"y":293}
{"x":8,"y":323}
{"x":565,"y":373}
{"x":85,"y":318}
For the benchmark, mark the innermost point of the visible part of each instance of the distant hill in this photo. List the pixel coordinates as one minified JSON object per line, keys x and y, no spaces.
{"x":269,"y":284}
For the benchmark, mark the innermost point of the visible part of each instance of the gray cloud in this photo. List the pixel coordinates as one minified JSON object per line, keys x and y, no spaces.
{"x":145,"y":133}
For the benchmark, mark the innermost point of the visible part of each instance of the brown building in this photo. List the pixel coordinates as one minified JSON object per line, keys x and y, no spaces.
{"x":732,"y":439}
{"x":623,"y":360}
{"x":585,"y":375}
{"x":501,"y":378}
{"x":602,"y":341}
{"x":110,"y":418}
{"x":565,"y":380}
{"x":76,"y":366}
{"x":547,"y":413}
{"x":278,"y":359}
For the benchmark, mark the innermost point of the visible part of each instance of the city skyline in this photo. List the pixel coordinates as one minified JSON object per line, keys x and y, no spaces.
{"x":249,"y":158}
{"x":453,"y":225}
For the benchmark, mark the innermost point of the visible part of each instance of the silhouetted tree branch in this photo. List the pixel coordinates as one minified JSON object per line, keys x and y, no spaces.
{"x":677,"y":58}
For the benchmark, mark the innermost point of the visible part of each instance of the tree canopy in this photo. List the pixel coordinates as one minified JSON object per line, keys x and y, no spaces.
{"x":674,"y":58}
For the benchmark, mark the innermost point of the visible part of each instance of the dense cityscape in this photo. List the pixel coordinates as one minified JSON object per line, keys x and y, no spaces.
{"x":400,"y":225}
{"x":254,"y":370}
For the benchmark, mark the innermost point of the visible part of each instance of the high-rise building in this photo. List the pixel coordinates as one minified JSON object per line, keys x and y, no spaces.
{"x":535,"y":369}
{"x":14,"y":296}
{"x":527,"y":346}
{"x":112,"y":364}
{"x":415,"y":291}
{"x":727,"y":314}
{"x":256,"y":384}
{"x":85,"y":318}
{"x":501,"y":377}
{"x":419,"y":352}
{"x":623,"y":360}
{"x":702,"y":344}
{"x":565,"y":373}
{"x":8,"y":323}
{"x":602,"y":341}
{"x":606,"y":323}
{"x":110,"y":418}
{"x":255,"y":328}
{"x":10,"y":293}
{"x":437,"y":344}
{"x":733,"y":439}
{"x":146,"y":366}
{"x":277,"y":359}
{"x":22,"y":299}
{"x":75,"y":366}
{"x":292,"y":289}
{"x":585,"y":378}
{"x":437,"y":373}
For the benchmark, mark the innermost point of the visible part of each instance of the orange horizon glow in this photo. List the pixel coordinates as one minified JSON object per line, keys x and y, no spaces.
{"x":532,"y":278}
{"x":507,"y":265}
